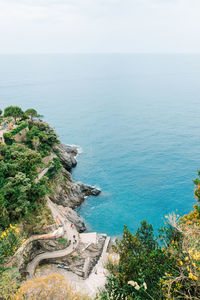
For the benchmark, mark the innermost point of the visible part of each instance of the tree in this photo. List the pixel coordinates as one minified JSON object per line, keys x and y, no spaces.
{"x":41,"y":137}
{"x":146,"y":236}
{"x":0,"y":112}
{"x":13,"y":111}
{"x":18,"y":189}
{"x":31,"y":112}
{"x":141,"y":266}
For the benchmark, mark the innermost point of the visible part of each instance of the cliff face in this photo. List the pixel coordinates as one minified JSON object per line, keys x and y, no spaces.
{"x":69,"y":193}
{"x":67,"y":155}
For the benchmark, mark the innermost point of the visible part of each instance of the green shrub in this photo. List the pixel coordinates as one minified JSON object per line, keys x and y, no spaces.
{"x":10,"y":240}
{"x":8,"y":138}
{"x":45,"y":134}
{"x":18,"y":189}
{"x":62,"y":241}
{"x":19,"y":128}
{"x":9,"y":283}
{"x":54,"y":168}
{"x":141,"y":261}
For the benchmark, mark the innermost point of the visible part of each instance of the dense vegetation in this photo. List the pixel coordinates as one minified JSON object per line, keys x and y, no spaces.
{"x":22,"y":195}
{"x":19,"y":164}
{"x":41,"y":138}
{"x":13,"y":111}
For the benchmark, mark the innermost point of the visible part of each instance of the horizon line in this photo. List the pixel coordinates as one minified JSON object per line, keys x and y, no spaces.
{"x":99,"y":53}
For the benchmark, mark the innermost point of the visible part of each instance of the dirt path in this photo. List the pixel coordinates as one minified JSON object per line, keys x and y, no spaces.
{"x":69,"y":232}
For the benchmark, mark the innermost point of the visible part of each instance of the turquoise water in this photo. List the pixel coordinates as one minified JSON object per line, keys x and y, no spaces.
{"x":136,"y":118}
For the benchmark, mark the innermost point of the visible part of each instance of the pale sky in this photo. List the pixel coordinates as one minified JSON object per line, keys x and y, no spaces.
{"x":96,"y":26}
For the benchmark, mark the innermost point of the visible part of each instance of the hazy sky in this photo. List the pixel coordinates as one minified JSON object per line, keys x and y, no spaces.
{"x":28,"y":26}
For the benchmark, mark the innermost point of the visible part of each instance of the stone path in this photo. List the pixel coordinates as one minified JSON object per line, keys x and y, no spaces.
{"x":69,"y":232}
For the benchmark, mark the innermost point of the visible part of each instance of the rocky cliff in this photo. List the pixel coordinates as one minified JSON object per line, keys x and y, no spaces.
{"x":67,"y":192}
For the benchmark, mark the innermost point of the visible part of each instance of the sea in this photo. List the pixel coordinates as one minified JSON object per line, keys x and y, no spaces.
{"x":135,"y":118}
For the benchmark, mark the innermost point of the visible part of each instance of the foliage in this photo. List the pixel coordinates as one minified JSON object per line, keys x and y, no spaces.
{"x":36,"y":142}
{"x":9,"y":283}
{"x":1,"y":112}
{"x":13,"y":111}
{"x":54,"y":168}
{"x":18,"y":189}
{"x":39,"y":220}
{"x":8,"y":138}
{"x":62,"y":241}
{"x":185,"y":283}
{"x":57,"y":152}
{"x":19,"y":128}
{"x":44,"y":288}
{"x":19,"y":165}
{"x":142,"y":261}
{"x":45,"y":136}
{"x":31,"y":112}
{"x":146,"y":236}
{"x":10,"y":239}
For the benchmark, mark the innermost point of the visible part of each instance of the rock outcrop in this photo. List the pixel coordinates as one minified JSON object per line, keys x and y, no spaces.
{"x":73,"y":217}
{"x":70,"y":193}
{"x":88,"y":190}
{"x":67,"y":155}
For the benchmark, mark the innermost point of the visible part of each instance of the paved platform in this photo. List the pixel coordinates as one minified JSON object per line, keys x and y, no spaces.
{"x":90,"y":237}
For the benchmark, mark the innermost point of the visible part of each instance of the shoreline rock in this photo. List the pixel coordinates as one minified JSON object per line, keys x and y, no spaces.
{"x":70,"y":193}
{"x":67,"y":155}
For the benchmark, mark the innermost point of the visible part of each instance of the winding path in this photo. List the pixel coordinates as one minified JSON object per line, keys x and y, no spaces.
{"x":69,"y":232}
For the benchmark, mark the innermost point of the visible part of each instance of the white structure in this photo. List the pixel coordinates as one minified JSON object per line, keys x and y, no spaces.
{"x":90,"y":237}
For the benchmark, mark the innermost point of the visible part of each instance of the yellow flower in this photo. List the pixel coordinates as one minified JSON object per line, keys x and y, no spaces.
{"x":12,"y":227}
{"x":194,"y":265}
{"x":192,"y":276}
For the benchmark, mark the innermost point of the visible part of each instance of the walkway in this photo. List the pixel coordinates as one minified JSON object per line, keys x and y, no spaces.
{"x":69,"y":232}
{"x":46,"y":161}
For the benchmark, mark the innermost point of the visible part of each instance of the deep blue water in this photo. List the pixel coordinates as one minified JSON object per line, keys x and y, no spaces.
{"x":137,"y":119}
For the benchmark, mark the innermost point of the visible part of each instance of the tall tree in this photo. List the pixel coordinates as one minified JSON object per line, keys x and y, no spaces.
{"x":31,"y":112}
{"x":13,"y":111}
